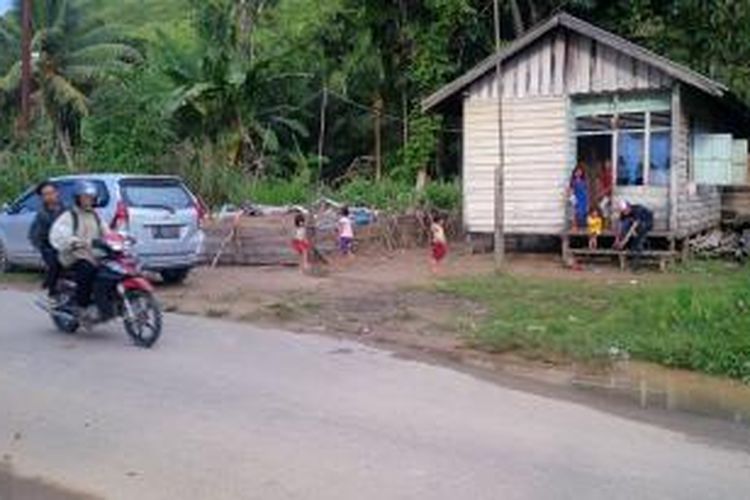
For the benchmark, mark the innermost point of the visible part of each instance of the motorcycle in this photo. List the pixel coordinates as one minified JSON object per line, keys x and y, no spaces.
{"x":132,"y":300}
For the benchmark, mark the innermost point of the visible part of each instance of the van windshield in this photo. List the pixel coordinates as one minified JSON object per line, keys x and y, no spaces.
{"x":156,"y":193}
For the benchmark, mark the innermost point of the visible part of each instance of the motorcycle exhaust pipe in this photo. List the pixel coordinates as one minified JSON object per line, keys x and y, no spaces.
{"x":63,"y":315}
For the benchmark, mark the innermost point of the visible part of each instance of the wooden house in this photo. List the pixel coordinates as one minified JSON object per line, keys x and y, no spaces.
{"x":572,"y":92}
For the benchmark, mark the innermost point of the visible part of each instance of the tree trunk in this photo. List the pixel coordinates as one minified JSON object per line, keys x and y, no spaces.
{"x":322,"y":131}
{"x":63,"y":142}
{"x":26,"y":35}
{"x":534,"y":11}
{"x":405,"y":114}
{"x":378,"y":115}
{"x":518,"y":25}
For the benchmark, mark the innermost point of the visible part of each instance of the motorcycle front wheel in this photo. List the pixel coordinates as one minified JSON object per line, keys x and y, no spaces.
{"x":144,"y":326}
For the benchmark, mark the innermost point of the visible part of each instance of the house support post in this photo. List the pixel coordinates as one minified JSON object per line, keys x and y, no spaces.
{"x":678,"y":162}
{"x":500,"y":169}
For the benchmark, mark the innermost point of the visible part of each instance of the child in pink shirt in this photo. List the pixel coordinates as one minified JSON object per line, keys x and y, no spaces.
{"x":345,"y":230}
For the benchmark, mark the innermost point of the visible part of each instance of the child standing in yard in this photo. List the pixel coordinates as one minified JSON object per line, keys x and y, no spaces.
{"x":595,"y":226}
{"x":345,"y":231}
{"x":300,"y":243}
{"x":439,"y":243}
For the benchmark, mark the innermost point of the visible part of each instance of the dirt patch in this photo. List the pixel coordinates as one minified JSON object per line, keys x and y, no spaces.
{"x":384,"y":297}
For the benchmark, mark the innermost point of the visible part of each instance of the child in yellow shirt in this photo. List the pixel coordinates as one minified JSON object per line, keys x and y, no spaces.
{"x":595,"y":227}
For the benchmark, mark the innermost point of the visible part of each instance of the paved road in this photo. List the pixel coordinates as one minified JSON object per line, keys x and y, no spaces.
{"x":220,"y":410}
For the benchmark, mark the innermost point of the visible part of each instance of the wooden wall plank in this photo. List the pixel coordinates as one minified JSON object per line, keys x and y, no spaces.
{"x":535,"y":63}
{"x":609,"y":73}
{"x":558,"y":87}
{"x":583,"y":61}
{"x":545,"y":84}
{"x":625,"y":72}
{"x":596,"y":69}
{"x":641,"y":78}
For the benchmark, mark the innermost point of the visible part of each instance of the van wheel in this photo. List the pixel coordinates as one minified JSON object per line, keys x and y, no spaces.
{"x":4,"y":264}
{"x":174,"y":276}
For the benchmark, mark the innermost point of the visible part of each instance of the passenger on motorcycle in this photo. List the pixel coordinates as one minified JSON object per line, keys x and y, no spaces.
{"x":73,"y":234}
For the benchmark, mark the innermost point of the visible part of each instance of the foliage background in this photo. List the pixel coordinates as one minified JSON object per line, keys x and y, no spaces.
{"x":274,"y":100}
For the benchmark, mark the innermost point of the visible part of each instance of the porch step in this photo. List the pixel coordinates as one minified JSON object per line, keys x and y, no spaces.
{"x":662,"y":258}
{"x":613,"y":234}
{"x":626,"y":253}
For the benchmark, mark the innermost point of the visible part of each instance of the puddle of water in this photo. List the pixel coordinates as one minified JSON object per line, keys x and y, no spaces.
{"x":652,"y":386}
{"x":13,"y":487}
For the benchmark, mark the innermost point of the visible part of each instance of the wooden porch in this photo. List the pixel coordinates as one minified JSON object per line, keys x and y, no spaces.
{"x":662,"y":249}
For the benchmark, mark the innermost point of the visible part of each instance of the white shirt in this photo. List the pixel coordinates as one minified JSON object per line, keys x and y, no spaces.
{"x":345,"y":227}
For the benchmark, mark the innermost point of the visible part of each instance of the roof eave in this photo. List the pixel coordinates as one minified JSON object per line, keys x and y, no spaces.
{"x":671,"y":68}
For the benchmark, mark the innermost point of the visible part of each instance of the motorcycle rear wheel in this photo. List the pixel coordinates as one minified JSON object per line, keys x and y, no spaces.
{"x":145,"y":327}
{"x":65,"y":325}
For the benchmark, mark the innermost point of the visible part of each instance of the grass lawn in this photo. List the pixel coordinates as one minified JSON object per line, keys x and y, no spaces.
{"x":19,"y":277}
{"x":697,"y":318}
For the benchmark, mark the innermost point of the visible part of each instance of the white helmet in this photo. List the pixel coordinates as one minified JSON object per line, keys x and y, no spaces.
{"x":622,"y":205}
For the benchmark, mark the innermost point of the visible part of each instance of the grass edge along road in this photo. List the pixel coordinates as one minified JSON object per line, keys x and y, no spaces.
{"x":697,"y":319}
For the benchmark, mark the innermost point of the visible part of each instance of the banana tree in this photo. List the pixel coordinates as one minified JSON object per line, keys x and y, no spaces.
{"x":223,"y":97}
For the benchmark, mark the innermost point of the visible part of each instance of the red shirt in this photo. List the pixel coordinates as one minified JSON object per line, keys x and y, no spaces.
{"x":605,"y":182}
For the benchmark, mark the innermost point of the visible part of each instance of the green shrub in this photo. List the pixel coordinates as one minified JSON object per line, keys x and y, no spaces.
{"x":443,"y":195}
{"x":386,"y":194}
{"x":395,"y":195}
{"x":24,"y":169}
{"x":278,"y":192}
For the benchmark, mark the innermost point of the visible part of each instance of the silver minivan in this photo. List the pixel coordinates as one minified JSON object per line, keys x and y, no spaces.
{"x":160,"y":212}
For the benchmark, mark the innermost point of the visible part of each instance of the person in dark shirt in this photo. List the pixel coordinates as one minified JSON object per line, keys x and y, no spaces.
{"x":638,"y":218}
{"x":50,"y":210}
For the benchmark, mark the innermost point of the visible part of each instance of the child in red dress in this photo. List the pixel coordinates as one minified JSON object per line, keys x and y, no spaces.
{"x":300,"y":243}
{"x":439,"y":243}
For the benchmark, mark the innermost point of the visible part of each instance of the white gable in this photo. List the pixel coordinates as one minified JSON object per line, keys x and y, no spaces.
{"x":565,"y":62}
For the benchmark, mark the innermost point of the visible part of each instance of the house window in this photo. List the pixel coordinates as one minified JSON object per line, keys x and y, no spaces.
{"x":641,"y":141}
{"x":630,"y":158}
{"x":660,"y":158}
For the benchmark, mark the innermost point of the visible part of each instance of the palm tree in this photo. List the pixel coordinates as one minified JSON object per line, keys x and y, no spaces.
{"x":72,"y":55}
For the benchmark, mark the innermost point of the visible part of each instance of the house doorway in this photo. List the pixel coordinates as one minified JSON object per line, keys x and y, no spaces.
{"x":594,"y":153}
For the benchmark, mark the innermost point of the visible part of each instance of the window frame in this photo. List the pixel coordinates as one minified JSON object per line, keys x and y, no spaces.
{"x":615,"y":110}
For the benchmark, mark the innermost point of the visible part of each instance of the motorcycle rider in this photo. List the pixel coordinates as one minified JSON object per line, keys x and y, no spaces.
{"x":73,"y":234}
{"x":50,"y":210}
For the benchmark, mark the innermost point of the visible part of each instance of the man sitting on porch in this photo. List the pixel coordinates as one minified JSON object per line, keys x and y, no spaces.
{"x":636,"y":221}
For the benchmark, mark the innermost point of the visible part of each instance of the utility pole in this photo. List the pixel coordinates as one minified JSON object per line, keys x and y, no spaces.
{"x":25,"y":67}
{"x":500,"y":170}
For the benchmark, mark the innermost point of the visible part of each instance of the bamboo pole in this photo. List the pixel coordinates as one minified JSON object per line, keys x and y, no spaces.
{"x":499,"y":239}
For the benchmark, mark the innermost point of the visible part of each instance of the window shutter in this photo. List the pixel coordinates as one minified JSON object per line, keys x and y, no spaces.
{"x":712,"y":158}
{"x":739,"y":161}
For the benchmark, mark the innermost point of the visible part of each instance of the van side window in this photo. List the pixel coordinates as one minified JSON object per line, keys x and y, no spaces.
{"x":67,"y":189}
{"x":29,"y":203}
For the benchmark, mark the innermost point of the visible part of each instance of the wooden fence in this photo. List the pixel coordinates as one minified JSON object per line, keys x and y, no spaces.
{"x":266,"y":240}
